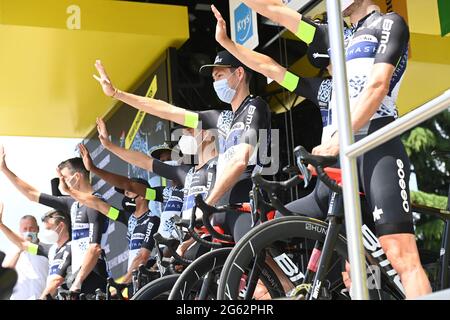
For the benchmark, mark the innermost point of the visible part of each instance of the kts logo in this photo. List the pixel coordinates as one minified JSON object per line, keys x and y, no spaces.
{"x":243,"y":23}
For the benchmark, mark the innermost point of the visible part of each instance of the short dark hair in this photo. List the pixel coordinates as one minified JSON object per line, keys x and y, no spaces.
{"x":29,"y":216}
{"x":248,"y":75}
{"x":74,"y":165}
{"x":59,"y":216}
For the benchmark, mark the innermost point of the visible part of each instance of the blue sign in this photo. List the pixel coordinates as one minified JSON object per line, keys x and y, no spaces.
{"x":243,"y":23}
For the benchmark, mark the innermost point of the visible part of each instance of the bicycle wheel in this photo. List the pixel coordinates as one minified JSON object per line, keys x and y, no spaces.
{"x":157,"y":290}
{"x":190,"y":282}
{"x":290,"y":242}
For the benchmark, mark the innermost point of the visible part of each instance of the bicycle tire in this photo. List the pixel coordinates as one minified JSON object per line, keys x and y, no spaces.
{"x":191,"y":279}
{"x":158,"y":289}
{"x":268,"y":233}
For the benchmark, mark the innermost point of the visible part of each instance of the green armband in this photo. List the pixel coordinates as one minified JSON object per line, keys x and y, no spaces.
{"x":150,"y":194}
{"x":113,"y":213}
{"x":32,"y":248}
{"x":290,"y":81}
{"x":305,"y":32}
{"x":191,"y":120}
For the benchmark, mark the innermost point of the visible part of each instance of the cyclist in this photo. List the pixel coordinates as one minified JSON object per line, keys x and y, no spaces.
{"x":376,"y":58}
{"x":195,"y":180}
{"x":192,"y":180}
{"x":162,"y":152}
{"x":238,"y":130}
{"x":56,"y":247}
{"x":88,"y":265}
{"x":141,"y":223}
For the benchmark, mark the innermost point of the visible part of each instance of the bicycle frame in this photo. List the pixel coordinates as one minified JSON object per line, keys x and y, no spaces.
{"x":373,"y":252}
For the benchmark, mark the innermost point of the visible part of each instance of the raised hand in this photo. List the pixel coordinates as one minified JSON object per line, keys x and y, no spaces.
{"x":87,"y":160}
{"x":103,"y":133}
{"x":221,"y":26}
{"x":104,"y":80}
{"x":62,"y":182}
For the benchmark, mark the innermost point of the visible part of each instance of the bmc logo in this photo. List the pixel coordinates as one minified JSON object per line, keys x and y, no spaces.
{"x":243,"y":23}
{"x":385,"y":35}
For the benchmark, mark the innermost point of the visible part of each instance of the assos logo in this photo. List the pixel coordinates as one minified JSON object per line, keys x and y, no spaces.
{"x":243,"y":23}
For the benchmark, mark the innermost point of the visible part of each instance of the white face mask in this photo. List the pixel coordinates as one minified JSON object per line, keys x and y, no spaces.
{"x":346,"y":4}
{"x":223,"y":89}
{"x":49,"y":236}
{"x":188,"y":144}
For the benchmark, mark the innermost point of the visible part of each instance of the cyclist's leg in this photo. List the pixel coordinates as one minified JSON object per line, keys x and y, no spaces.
{"x":196,"y":250}
{"x":93,"y":282}
{"x":386,"y":172}
{"x":314,"y":205}
{"x":242,"y":225}
{"x":367,"y":220}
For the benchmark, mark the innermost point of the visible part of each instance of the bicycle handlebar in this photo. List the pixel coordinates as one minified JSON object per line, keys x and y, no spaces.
{"x":172,"y":244}
{"x":207,"y":212}
{"x":272,"y":186}
{"x":189,"y":225}
{"x":304,"y":158}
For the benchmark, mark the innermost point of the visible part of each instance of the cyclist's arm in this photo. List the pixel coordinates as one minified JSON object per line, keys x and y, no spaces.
{"x":242,"y":152}
{"x":373,"y":94}
{"x":135,"y":158}
{"x":155,"y":107}
{"x":14,"y":237}
{"x":146,"y":249}
{"x":124,"y":183}
{"x":256,"y":61}
{"x":26,"y":189}
{"x":53,"y":283}
{"x":57,"y":274}
{"x":59,"y":203}
{"x":234,"y":169}
{"x":158,"y":108}
{"x":175,"y":173}
{"x":89,"y":200}
{"x":141,"y":258}
{"x":386,"y":59}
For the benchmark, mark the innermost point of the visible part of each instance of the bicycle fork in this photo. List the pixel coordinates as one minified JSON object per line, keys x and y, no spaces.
{"x":325,"y":258}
